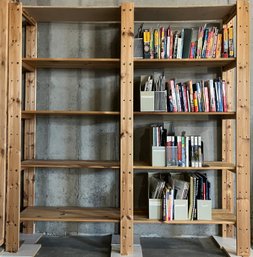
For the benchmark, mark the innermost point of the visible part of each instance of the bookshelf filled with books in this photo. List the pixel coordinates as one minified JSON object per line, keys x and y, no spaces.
{"x":201,"y":87}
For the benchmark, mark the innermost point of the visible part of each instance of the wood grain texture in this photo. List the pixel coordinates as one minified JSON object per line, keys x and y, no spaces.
{"x":92,"y":164}
{"x":228,"y":147}
{"x":243,"y":130}
{"x":29,"y":64}
{"x":30,"y":125}
{"x":14,"y":128}
{"x":219,"y":216}
{"x":3,"y":110}
{"x":126,"y":129}
{"x":70,"y":214}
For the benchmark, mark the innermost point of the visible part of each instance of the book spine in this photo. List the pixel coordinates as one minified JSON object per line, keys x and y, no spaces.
{"x":183,"y":152}
{"x":209,"y":44}
{"x":168,"y":44}
{"x":179,"y":109}
{"x":199,"y":97}
{"x":205,"y":38}
{"x":196,"y":152}
{"x":200,"y":160}
{"x":230,"y":42}
{"x":206,"y":99}
{"x":192,"y":152}
{"x":212,"y":96}
{"x":179,"y":150}
{"x":219,"y":46}
{"x":215,"y":43}
{"x":171,"y":44}
{"x":184,"y":89}
{"x":225,"y":42}
{"x":156,"y":44}
{"x":224,"y":96}
{"x":151,"y":44}
{"x":173,"y":94}
{"x":162,"y":43}
{"x":175,"y":45}
{"x":187,"y":151}
{"x":200,"y":41}
{"x":146,"y":42}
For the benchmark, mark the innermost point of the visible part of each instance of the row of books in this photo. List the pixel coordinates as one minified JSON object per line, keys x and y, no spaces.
{"x":202,"y":96}
{"x":183,"y":150}
{"x":189,"y":186}
{"x":203,"y":42}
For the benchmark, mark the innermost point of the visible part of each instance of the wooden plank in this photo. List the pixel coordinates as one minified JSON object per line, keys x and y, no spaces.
{"x":184,"y":13}
{"x":228,"y":146}
{"x":169,"y":63}
{"x":219,"y":216}
{"x":126,"y":129}
{"x":206,"y":166}
{"x":74,"y":14}
{"x":30,"y":125}
{"x":71,"y":63}
{"x":28,"y":114}
{"x":70,"y":214}
{"x":28,"y":18}
{"x":3,"y":109}
{"x":70,"y":164}
{"x":14,"y":127}
{"x":243,"y":130}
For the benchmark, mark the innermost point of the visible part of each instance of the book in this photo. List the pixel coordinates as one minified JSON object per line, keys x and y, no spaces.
{"x":230,"y":42}
{"x":162,"y":43}
{"x":156,"y":44}
{"x":193,"y":45}
{"x":225,"y":42}
{"x":187,"y":42}
{"x":146,"y":42}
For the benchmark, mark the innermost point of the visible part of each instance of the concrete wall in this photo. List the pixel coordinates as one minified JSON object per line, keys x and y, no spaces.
{"x":93,"y":138}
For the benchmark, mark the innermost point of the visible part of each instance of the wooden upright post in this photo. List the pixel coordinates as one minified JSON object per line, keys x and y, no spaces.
{"x":243,"y":130}
{"x":126,"y":129}
{"x":30,"y":124}
{"x":3,"y":109}
{"x":14,"y":128}
{"x":228,"y":148}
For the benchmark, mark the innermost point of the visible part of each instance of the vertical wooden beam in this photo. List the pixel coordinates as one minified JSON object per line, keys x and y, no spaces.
{"x":228,"y":147}
{"x":3,"y":109}
{"x":30,"y":125}
{"x":243,"y":130}
{"x":227,"y":154}
{"x":14,"y":127}
{"x":126,"y":129}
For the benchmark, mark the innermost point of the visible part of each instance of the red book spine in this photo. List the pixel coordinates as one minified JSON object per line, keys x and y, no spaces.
{"x":224,"y":96}
{"x":206,"y":99}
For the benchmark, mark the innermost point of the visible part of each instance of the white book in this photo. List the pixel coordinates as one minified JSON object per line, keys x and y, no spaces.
{"x":179,"y":48}
{"x":187,"y":151}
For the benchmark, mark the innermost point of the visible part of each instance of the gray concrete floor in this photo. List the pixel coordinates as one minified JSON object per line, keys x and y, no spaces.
{"x":99,"y":246}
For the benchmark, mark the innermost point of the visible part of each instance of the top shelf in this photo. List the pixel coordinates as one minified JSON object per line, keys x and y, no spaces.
{"x":186,"y":13}
{"x":142,"y":14}
{"x":73,"y":14}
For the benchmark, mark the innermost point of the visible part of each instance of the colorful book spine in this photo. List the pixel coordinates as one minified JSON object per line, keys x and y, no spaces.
{"x":219,"y":46}
{"x":200,"y":160}
{"x":179,"y":108}
{"x":156,"y":44}
{"x":212,"y":96}
{"x":168,"y":45}
{"x":183,"y":152}
{"x":151,"y":44}
{"x":187,"y":139}
{"x":230,"y":42}
{"x":206,"y":99}
{"x":173,"y":94}
{"x":146,"y":42}
{"x":179,"y":150}
{"x":162,"y":43}
{"x":192,"y":152}
{"x":209,"y":43}
{"x":225,"y":42}
{"x":224,"y":96}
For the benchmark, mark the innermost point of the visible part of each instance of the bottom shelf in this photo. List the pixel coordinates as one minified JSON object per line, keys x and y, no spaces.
{"x":70,"y":214}
{"x":79,"y":214}
{"x":219,"y":216}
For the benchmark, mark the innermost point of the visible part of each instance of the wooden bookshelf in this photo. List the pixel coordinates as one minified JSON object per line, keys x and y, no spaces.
{"x":70,"y":164}
{"x":206,"y":166}
{"x":219,"y":217}
{"x":126,"y":16}
{"x":70,"y":214}
{"x":30,"y":64}
{"x":27,"y":114}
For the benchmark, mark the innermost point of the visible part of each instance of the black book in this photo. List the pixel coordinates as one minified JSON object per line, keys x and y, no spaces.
{"x":187,"y":43}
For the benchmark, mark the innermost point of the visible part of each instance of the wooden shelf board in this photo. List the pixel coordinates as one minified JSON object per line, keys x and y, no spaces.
{"x":29,"y":64}
{"x":186,"y":13}
{"x":167,"y":63}
{"x":223,"y":115}
{"x":206,"y":166}
{"x":218,"y":217}
{"x":30,"y":114}
{"x":70,"y":214}
{"x":70,"y":164}
{"x":73,"y":14}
